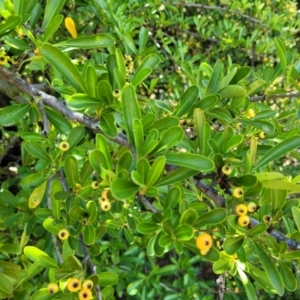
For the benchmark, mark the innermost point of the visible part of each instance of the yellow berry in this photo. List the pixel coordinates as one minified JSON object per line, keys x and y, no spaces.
{"x":237,"y":192}
{"x":64,"y":146}
{"x":88,"y":284}
{"x":85,"y":294}
{"x":239,"y":126}
{"x":63,"y":234}
{"x":204,"y":242}
{"x":116,"y":93}
{"x":267,"y":219}
{"x":105,"y":205}
{"x":243,"y":220}
{"x":204,"y":252}
{"x":95,"y":185}
{"x":251,"y":113}
{"x":226,"y":170}
{"x":74,"y":285}
{"x":261,"y":135}
{"x":252,"y":207}
{"x":52,"y":288}
{"x":70,"y":25}
{"x":241,"y":209}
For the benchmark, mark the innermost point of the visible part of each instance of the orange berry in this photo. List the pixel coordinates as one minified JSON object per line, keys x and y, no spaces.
{"x":241,"y":209}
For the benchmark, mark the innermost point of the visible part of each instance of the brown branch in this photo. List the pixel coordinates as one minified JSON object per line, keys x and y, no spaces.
{"x":24,"y":87}
{"x":279,"y":237}
{"x":46,"y":128}
{"x":219,"y":8}
{"x":221,"y":286}
{"x":211,"y":193}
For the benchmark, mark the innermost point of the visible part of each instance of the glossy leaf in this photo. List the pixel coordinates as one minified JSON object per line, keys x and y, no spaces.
{"x":189,"y":217}
{"x":130,"y":109}
{"x":232,"y":91}
{"x":140,"y":76}
{"x":71,"y":170}
{"x":215,"y":216}
{"x":11,"y":23}
{"x":279,"y":150}
{"x":100,"y":40}
{"x":270,"y":269}
{"x":178,"y":175}
{"x":184,"y":232}
{"x":296,"y":216}
{"x":249,"y":288}
{"x":89,"y":234}
{"x":233,"y":244}
{"x":156,"y":170}
{"x":58,"y":121}
{"x":53,"y":7}
{"x":64,"y":66}
{"x":289,"y":280}
{"x":11,"y":115}
{"x":186,"y":101}
{"x":107,"y":278}
{"x":108,"y":125}
{"x":36,"y":196}
{"x":40,"y":257}
{"x":123,"y":189}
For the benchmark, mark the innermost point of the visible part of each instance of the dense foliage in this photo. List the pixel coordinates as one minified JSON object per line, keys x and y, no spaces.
{"x":149,"y":149}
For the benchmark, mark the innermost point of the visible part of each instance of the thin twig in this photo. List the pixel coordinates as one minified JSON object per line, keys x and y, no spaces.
{"x":54,"y":238}
{"x":224,"y":9}
{"x":46,"y":128}
{"x":92,"y":266}
{"x":276,"y":96}
{"x":145,"y":201}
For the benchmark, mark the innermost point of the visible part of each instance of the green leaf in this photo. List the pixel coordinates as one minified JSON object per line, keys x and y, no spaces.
{"x":281,"y":53}
{"x":11,"y":23}
{"x":107,"y":278}
{"x":40,"y":257}
{"x":130,"y":109}
{"x":58,"y":121}
{"x":53,"y":7}
{"x":296,"y":216}
{"x":253,"y":86}
{"x":150,"y":61}
{"x":186,"y":101}
{"x":108,"y":125}
{"x":64,"y":66}
{"x":262,"y":125}
{"x":52,"y":27}
{"x":75,"y":136}
{"x":258,"y":229}
{"x":250,"y":291}
{"x":233,"y":244}
{"x":221,"y":265}
{"x":134,"y":287}
{"x":71,"y":170}
{"x":279,"y":150}
{"x":36,"y":150}
{"x":123,"y":189}
{"x":215,"y":216}
{"x":6,"y":284}
{"x":92,"y":210}
{"x":100,"y":40}
{"x":143,"y":38}
{"x":83,"y":102}
{"x":232,"y":91}
{"x":177,"y":176}
{"x":270,"y":269}
{"x":11,"y":115}
{"x":289,"y":280}
{"x":189,"y":216}
{"x":269,"y":176}
{"x":147,"y":228}
{"x":280,"y":185}
{"x":291,"y":255}
{"x":33,"y":180}
{"x":189,"y":160}
{"x":184,"y":232}
{"x":140,"y":76}
{"x":214,"y":78}
{"x":102,"y":145}
{"x":89,"y":234}
{"x":156,"y":170}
